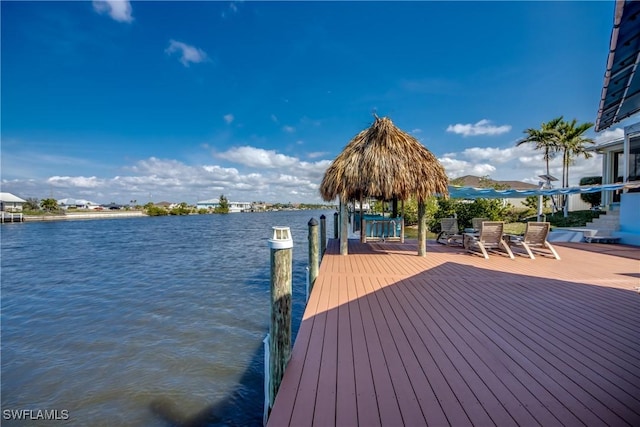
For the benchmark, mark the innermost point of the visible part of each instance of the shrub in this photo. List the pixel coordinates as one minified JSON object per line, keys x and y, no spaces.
{"x":575,"y":218}
{"x":466,"y":210}
{"x":153,"y":210}
{"x":595,"y":199}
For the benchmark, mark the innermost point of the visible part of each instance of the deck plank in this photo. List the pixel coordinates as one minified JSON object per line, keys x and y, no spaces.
{"x":385,"y":394}
{"x":346,"y":383}
{"x":367,"y":405}
{"x":389,"y":338}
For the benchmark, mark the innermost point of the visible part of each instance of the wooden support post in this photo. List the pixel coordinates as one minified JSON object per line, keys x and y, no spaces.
{"x":344,"y":228}
{"x":323,"y":235}
{"x":361,"y":219}
{"x":422,"y":229}
{"x":403,"y":219}
{"x":313,"y":252}
{"x":335,"y":225}
{"x":280,"y":330}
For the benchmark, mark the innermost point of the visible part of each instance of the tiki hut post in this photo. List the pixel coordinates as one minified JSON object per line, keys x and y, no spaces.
{"x":422,"y":229}
{"x":344,"y":227}
{"x":403,"y":221}
{"x":361,"y":220}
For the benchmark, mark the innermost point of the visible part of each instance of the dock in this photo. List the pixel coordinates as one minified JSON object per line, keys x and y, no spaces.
{"x":392,"y":339}
{"x":11,"y":217}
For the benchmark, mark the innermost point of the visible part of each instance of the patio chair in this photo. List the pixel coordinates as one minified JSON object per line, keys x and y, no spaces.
{"x":449,"y":232}
{"x":476,"y":223}
{"x":535,"y":237}
{"x":490,"y":237}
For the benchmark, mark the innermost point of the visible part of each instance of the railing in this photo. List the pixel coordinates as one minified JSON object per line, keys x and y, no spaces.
{"x":382,"y":229}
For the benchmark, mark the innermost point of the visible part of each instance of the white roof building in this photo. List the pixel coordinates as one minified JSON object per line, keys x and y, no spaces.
{"x":10,"y":202}
{"x":233,"y":206}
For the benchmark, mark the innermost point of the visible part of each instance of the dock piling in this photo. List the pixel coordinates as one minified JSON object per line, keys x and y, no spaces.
{"x":313,"y":252}
{"x":280,"y":329}
{"x":335,"y":225}
{"x":323,"y":235}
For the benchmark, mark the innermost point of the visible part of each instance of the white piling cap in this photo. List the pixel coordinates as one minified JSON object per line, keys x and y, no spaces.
{"x":281,"y":238}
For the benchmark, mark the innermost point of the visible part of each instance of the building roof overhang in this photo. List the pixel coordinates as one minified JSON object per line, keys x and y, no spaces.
{"x":621,"y":89}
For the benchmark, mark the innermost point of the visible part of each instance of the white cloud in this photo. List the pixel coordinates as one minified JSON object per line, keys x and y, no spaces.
{"x":416,"y":131}
{"x":75,"y":181}
{"x":119,"y":10}
{"x":189,"y":54}
{"x":455,"y":168}
{"x":228,"y":118}
{"x":289,"y":129}
{"x":257,"y":157}
{"x":316,"y":154}
{"x":483,"y":127}
{"x":274,"y":118}
{"x":494,"y":154}
{"x":609,"y":135}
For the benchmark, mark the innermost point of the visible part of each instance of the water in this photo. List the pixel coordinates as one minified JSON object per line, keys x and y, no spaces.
{"x":142,"y":321}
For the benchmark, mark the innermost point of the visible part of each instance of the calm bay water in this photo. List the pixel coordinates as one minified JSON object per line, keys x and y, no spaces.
{"x":142,"y":321}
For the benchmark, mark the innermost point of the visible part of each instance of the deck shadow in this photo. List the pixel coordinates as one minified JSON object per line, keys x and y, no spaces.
{"x":244,"y":405}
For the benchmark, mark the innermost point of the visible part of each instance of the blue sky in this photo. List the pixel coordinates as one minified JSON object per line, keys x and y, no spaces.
{"x":184,"y":101}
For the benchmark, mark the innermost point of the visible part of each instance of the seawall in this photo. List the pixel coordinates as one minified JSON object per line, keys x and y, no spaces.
{"x":83,"y":215}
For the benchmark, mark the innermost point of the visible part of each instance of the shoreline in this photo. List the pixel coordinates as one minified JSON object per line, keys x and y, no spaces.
{"x":83,"y":216}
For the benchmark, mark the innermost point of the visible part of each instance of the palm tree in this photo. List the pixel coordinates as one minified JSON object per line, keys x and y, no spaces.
{"x":571,"y":141}
{"x":49,"y":205}
{"x":545,"y":138}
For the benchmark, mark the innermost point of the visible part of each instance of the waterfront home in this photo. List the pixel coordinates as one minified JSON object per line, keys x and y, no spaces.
{"x":11,"y":203}
{"x":212,"y":204}
{"x":69,"y":203}
{"x":621,"y":158}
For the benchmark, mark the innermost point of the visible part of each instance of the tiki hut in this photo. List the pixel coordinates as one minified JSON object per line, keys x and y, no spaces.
{"x":386,"y":163}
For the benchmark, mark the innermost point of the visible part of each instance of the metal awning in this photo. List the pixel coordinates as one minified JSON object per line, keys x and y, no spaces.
{"x":471,"y":193}
{"x":621,"y":89}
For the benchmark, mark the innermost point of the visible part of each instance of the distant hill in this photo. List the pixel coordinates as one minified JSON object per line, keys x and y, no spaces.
{"x":476,"y":181}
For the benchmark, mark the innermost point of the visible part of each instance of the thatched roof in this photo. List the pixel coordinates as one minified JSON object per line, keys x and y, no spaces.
{"x":384,"y":162}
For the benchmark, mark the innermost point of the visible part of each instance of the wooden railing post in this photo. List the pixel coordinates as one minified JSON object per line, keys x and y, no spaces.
{"x":323,"y":235}
{"x":335,"y":225}
{"x":280,"y":329}
{"x":313,"y":252}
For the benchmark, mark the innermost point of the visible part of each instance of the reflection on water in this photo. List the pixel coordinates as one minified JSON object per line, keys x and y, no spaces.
{"x":142,"y":321}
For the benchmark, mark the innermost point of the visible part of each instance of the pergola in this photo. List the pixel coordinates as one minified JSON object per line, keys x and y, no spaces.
{"x":385,"y":163}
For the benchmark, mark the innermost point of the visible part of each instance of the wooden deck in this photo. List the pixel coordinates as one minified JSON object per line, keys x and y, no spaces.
{"x":390,"y":338}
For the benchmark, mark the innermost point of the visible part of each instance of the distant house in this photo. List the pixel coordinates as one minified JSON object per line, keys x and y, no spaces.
{"x":113,"y":206}
{"x":212,"y":204}
{"x":11,"y":203}
{"x":69,"y":203}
